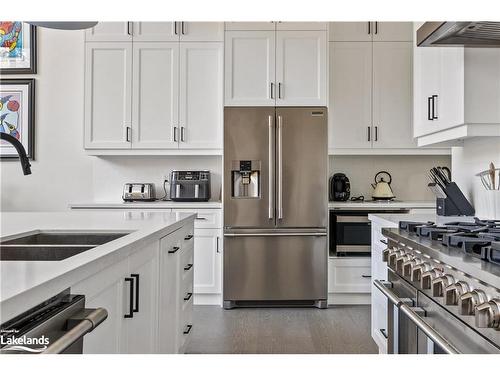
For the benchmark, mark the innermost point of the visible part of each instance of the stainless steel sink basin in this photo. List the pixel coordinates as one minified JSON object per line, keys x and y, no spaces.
{"x":53,"y":246}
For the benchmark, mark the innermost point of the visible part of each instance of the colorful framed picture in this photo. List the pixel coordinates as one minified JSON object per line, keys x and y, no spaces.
{"x":17,"y":48}
{"x":17,"y":115}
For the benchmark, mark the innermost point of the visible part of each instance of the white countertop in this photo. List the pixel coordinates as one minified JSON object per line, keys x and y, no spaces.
{"x":383,"y":204}
{"x":392,"y":220}
{"x":23,"y":284}
{"x":146,"y":205}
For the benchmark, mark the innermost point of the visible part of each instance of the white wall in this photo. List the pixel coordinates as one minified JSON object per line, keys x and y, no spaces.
{"x":409,"y":173}
{"x":475,"y":156}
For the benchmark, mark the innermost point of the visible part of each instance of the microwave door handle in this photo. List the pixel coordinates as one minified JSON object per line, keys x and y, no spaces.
{"x":271,"y":167}
{"x":280,"y":167}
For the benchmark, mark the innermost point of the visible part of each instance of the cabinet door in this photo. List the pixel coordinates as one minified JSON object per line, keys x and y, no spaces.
{"x":155,"y":99}
{"x":301,"y":25}
{"x":201,"y":95}
{"x":156,"y":31}
{"x":106,"y":289}
{"x":250,"y":26}
{"x":250,"y":68}
{"x":392,"y":95}
{"x":142,"y":328}
{"x":201,"y":31}
{"x":350,"y":31}
{"x":350,"y":110}
{"x":108,"y":94}
{"x":109,"y":32}
{"x":208,"y":261}
{"x":301,"y":68}
{"x":392,"y":31}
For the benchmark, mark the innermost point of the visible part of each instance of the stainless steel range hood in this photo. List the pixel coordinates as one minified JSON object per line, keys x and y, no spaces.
{"x":467,"y":34}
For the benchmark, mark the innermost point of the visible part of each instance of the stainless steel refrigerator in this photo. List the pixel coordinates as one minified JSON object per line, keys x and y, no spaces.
{"x":275,"y":206}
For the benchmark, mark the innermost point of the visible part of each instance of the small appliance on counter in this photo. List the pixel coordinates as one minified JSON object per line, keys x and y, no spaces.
{"x":450,"y":201}
{"x":144,"y":192}
{"x":340,"y":187}
{"x":190,"y":186}
{"x":382,"y":188}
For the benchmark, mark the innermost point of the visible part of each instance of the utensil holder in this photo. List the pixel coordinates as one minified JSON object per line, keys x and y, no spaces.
{"x":490,"y":204}
{"x":455,"y":203}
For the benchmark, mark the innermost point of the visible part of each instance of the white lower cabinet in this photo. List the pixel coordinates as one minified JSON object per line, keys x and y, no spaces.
{"x":208,"y":252}
{"x":148,"y":297}
{"x":349,"y":280}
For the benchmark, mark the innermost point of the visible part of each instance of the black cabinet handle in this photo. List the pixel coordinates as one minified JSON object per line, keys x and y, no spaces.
{"x":369,"y":133}
{"x":201,"y":218}
{"x":188,"y":267}
{"x":136,"y":304}
{"x":384,"y":242}
{"x":188,"y":237}
{"x":187,"y":329}
{"x":376,"y":27}
{"x":279,"y":90}
{"x":174,"y":250}
{"x":429,"y":106}
{"x":366,"y":276}
{"x":217,"y":248}
{"x":384,"y":333}
{"x":434,"y":105}
{"x":175,"y":27}
{"x":376,"y":133}
{"x":131,"y":298}
{"x":188,"y":296}
{"x":369,"y":27}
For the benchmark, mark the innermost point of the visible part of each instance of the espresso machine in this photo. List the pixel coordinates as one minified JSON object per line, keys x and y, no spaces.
{"x":245,"y":178}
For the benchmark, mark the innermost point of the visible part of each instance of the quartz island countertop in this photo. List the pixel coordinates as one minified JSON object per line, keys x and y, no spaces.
{"x":24,"y":284}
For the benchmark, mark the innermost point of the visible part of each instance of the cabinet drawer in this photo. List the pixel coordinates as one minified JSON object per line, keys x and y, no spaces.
{"x":349,"y":275}
{"x":187,"y":265}
{"x":206,"y":218}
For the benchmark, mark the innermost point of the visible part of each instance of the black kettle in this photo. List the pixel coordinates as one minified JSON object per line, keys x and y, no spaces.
{"x":340,"y":187}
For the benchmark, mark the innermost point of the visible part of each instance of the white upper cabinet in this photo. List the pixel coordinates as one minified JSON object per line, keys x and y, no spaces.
{"x":155,"y":95}
{"x":108,"y":95}
{"x":155,"y":31}
{"x":249,"y":26}
{"x":392,"y":95}
{"x":371,"y":31}
{"x":201,"y":31}
{"x":250,"y":68}
{"x":301,"y":68}
{"x":350,"y":31}
{"x":109,"y":32}
{"x":350,"y":109}
{"x":201,"y":95}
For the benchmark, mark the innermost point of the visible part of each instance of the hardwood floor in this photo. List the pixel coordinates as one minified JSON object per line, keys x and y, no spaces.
{"x":337,"y":330}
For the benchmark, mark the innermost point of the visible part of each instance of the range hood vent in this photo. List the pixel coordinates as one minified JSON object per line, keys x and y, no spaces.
{"x":467,"y":34}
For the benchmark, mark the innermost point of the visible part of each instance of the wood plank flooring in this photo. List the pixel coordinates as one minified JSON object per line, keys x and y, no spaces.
{"x":336,"y":330}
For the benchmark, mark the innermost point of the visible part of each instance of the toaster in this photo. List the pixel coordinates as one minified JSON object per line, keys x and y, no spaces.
{"x":190,"y":186}
{"x":138,"y":192}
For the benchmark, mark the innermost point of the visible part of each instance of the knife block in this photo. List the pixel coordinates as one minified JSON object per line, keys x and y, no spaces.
{"x":455,"y":203}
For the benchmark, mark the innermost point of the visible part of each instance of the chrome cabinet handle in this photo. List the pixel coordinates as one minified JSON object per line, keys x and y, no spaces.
{"x":136,"y":303}
{"x":183,"y":131}
{"x":280,"y":167}
{"x":270,"y":214}
{"x":131,"y":298}
{"x":175,"y":133}
{"x":88,"y":320}
{"x":415,"y":318}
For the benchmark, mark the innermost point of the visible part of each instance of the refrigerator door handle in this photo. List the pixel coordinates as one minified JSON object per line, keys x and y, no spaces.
{"x":280,"y":167}
{"x":271,"y":168}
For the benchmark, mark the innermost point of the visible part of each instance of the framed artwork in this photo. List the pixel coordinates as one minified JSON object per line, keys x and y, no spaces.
{"x":17,"y":48}
{"x":17,"y":115}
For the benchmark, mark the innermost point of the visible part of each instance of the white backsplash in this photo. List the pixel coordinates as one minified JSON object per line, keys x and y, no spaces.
{"x":409,"y":173}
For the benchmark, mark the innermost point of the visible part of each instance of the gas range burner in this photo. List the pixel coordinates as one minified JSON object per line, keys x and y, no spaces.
{"x":434,"y":232}
{"x":411,"y":226}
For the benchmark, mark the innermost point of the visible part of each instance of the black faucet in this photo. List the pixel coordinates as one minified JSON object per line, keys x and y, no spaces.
{"x":25,"y":163}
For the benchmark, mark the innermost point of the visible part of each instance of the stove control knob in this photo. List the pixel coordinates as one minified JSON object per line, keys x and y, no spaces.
{"x":440,"y":284}
{"x":454,"y":291}
{"x":394,"y":255}
{"x":467,"y":302}
{"x":409,"y":265}
{"x":429,"y":276}
{"x":488,"y":314}
{"x":417,"y":271}
{"x":401,"y":260}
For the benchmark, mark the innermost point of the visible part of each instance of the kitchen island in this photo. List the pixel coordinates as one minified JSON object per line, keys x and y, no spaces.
{"x":153,"y":245}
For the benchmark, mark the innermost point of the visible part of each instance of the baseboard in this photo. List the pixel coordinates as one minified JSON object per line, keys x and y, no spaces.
{"x":349,"y":298}
{"x":208,"y":299}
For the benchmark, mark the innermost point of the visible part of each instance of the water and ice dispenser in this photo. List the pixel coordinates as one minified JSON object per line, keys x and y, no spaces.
{"x":245,"y":179}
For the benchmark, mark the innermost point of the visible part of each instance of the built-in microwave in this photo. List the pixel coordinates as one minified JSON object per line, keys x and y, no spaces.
{"x":350,"y":230}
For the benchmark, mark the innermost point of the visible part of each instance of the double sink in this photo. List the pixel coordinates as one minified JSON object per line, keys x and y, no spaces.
{"x":53,"y":246}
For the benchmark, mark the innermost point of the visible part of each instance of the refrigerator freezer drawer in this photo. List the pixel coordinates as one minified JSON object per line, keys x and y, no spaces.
{"x":275,"y":267}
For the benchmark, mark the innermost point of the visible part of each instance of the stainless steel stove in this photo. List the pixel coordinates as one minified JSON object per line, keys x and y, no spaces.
{"x":443,"y":288}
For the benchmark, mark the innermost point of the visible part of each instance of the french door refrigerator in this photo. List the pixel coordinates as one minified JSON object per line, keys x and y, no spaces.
{"x":275,"y":206}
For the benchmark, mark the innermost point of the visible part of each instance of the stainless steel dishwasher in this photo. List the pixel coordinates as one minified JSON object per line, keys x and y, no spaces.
{"x":56,"y":326}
